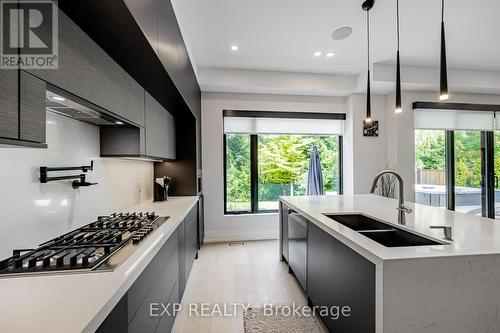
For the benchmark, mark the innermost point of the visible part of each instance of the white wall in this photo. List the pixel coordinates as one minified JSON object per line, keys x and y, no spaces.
{"x":401,"y":132}
{"x":34,"y":212}
{"x":363,"y":157}
{"x":368,"y":153}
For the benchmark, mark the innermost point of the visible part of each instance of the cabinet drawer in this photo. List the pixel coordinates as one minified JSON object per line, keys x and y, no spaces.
{"x":167,"y":321}
{"x":160,"y":291}
{"x":141,"y":287}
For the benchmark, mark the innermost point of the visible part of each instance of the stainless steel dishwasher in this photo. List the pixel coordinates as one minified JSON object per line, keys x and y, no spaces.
{"x":297,"y":247}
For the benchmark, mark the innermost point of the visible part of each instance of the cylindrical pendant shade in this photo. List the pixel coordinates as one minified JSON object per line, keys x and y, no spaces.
{"x":368,"y":100}
{"x":443,"y":83}
{"x":398,"y":108}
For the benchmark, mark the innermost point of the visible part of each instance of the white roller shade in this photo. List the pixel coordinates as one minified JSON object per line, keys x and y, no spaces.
{"x":252,"y":125}
{"x":454,"y":119}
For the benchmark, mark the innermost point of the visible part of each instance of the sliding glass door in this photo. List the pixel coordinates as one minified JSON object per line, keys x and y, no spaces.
{"x":496,"y":175}
{"x":468,"y":169}
{"x":458,"y":170}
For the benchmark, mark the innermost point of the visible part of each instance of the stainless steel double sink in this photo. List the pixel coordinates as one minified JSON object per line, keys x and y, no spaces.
{"x":380,"y":232}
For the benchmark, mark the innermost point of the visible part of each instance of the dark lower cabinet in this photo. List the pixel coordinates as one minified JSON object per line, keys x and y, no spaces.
{"x":284,"y":230}
{"x":191,"y":239}
{"x":117,"y":319}
{"x":337,"y":276}
{"x":160,"y":286}
{"x":297,"y":247}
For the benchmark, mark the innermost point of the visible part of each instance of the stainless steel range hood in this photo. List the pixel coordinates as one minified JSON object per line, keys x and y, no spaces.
{"x":76,"y":108}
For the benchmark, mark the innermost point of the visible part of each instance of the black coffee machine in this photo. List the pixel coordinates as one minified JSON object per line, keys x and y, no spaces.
{"x":161,"y":188}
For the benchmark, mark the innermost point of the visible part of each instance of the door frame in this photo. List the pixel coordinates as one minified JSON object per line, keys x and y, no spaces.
{"x":487,"y":172}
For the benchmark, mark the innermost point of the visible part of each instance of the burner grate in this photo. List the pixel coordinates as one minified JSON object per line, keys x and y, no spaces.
{"x":84,"y":248}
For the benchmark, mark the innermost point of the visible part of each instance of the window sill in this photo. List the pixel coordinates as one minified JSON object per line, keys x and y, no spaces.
{"x":252,"y":214}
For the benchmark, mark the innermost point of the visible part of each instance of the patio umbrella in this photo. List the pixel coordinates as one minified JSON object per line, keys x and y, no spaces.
{"x":314,"y":174}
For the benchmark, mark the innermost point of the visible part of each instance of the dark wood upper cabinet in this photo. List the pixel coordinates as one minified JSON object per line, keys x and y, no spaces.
{"x":160,"y":130}
{"x":159,"y":16}
{"x":22,"y":109}
{"x":9,"y":112}
{"x":88,"y":72}
{"x":32,"y":108}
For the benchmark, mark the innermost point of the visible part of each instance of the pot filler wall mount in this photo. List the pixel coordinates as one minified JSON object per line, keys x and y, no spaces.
{"x":79,"y":180}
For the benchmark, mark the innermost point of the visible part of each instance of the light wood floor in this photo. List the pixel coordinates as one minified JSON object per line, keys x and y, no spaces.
{"x":249,"y":273}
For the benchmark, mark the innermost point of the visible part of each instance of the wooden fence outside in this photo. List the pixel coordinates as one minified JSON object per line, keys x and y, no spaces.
{"x":434,"y":177}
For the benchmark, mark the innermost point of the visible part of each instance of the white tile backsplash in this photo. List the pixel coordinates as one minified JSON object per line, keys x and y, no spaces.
{"x":32,"y":212}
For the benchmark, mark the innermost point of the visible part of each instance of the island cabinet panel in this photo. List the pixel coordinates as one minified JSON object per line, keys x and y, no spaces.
{"x":160,"y":130}
{"x":284,"y":230}
{"x":9,"y":112}
{"x":337,"y":276}
{"x":297,"y":247}
{"x":87,"y":71}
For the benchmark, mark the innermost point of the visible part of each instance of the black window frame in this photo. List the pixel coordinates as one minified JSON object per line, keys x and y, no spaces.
{"x":254,"y":174}
{"x":488,"y":178}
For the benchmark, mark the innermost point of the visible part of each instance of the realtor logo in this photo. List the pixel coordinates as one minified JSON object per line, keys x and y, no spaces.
{"x":29,"y":36}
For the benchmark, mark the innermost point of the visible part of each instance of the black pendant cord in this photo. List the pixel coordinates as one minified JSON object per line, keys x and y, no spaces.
{"x":443,"y":84}
{"x":368,"y":93}
{"x":398,"y":107}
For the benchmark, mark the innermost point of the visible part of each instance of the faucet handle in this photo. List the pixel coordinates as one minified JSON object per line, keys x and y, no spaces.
{"x":405,"y":208}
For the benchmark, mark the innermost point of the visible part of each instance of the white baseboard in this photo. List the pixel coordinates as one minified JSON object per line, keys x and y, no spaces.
{"x":231,"y":236}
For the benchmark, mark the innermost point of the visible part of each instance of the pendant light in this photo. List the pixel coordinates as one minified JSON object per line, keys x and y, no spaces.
{"x":443,"y":82}
{"x":398,"y":108}
{"x":367,"y":5}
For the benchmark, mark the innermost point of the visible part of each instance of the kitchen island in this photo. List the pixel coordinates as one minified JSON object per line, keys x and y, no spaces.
{"x":449,"y":286}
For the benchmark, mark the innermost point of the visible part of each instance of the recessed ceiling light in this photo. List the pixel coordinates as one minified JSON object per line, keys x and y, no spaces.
{"x":235,"y":48}
{"x":118,"y":122}
{"x":342,"y":33}
{"x":57,"y":98}
{"x":330,"y":54}
{"x":318,"y":53}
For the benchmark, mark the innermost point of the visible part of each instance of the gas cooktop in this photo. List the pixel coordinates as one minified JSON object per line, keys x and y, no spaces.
{"x":99,"y":246}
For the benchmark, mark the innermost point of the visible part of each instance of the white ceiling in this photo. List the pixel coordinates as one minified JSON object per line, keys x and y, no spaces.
{"x":281,"y":35}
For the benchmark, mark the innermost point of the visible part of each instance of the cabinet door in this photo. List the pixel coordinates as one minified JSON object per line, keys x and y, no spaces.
{"x":320,"y":269}
{"x":167,"y":321}
{"x":32,"y":108}
{"x":9,"y":111}
{"x":191,"y":239}
{"x":159,"y":130}
{"x":89,"y":72}
{"x":339,"y":276}
{"x":181,"y":237}
{"x":201,"y":222}
{"x":284,"y":230}
{"x":297,"y":247}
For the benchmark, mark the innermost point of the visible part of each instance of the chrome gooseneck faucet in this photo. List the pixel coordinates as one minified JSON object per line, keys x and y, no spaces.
{"x":402,"y":208}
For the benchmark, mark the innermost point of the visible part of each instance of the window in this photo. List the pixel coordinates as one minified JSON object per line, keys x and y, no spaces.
{"x":261,"y":167}
{"x":456,"y":155}
{"x":430,"y":162}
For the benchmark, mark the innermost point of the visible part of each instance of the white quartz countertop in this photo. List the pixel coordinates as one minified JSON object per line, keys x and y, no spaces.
{"x":472,"y":235}
{"x":80,"y":302}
